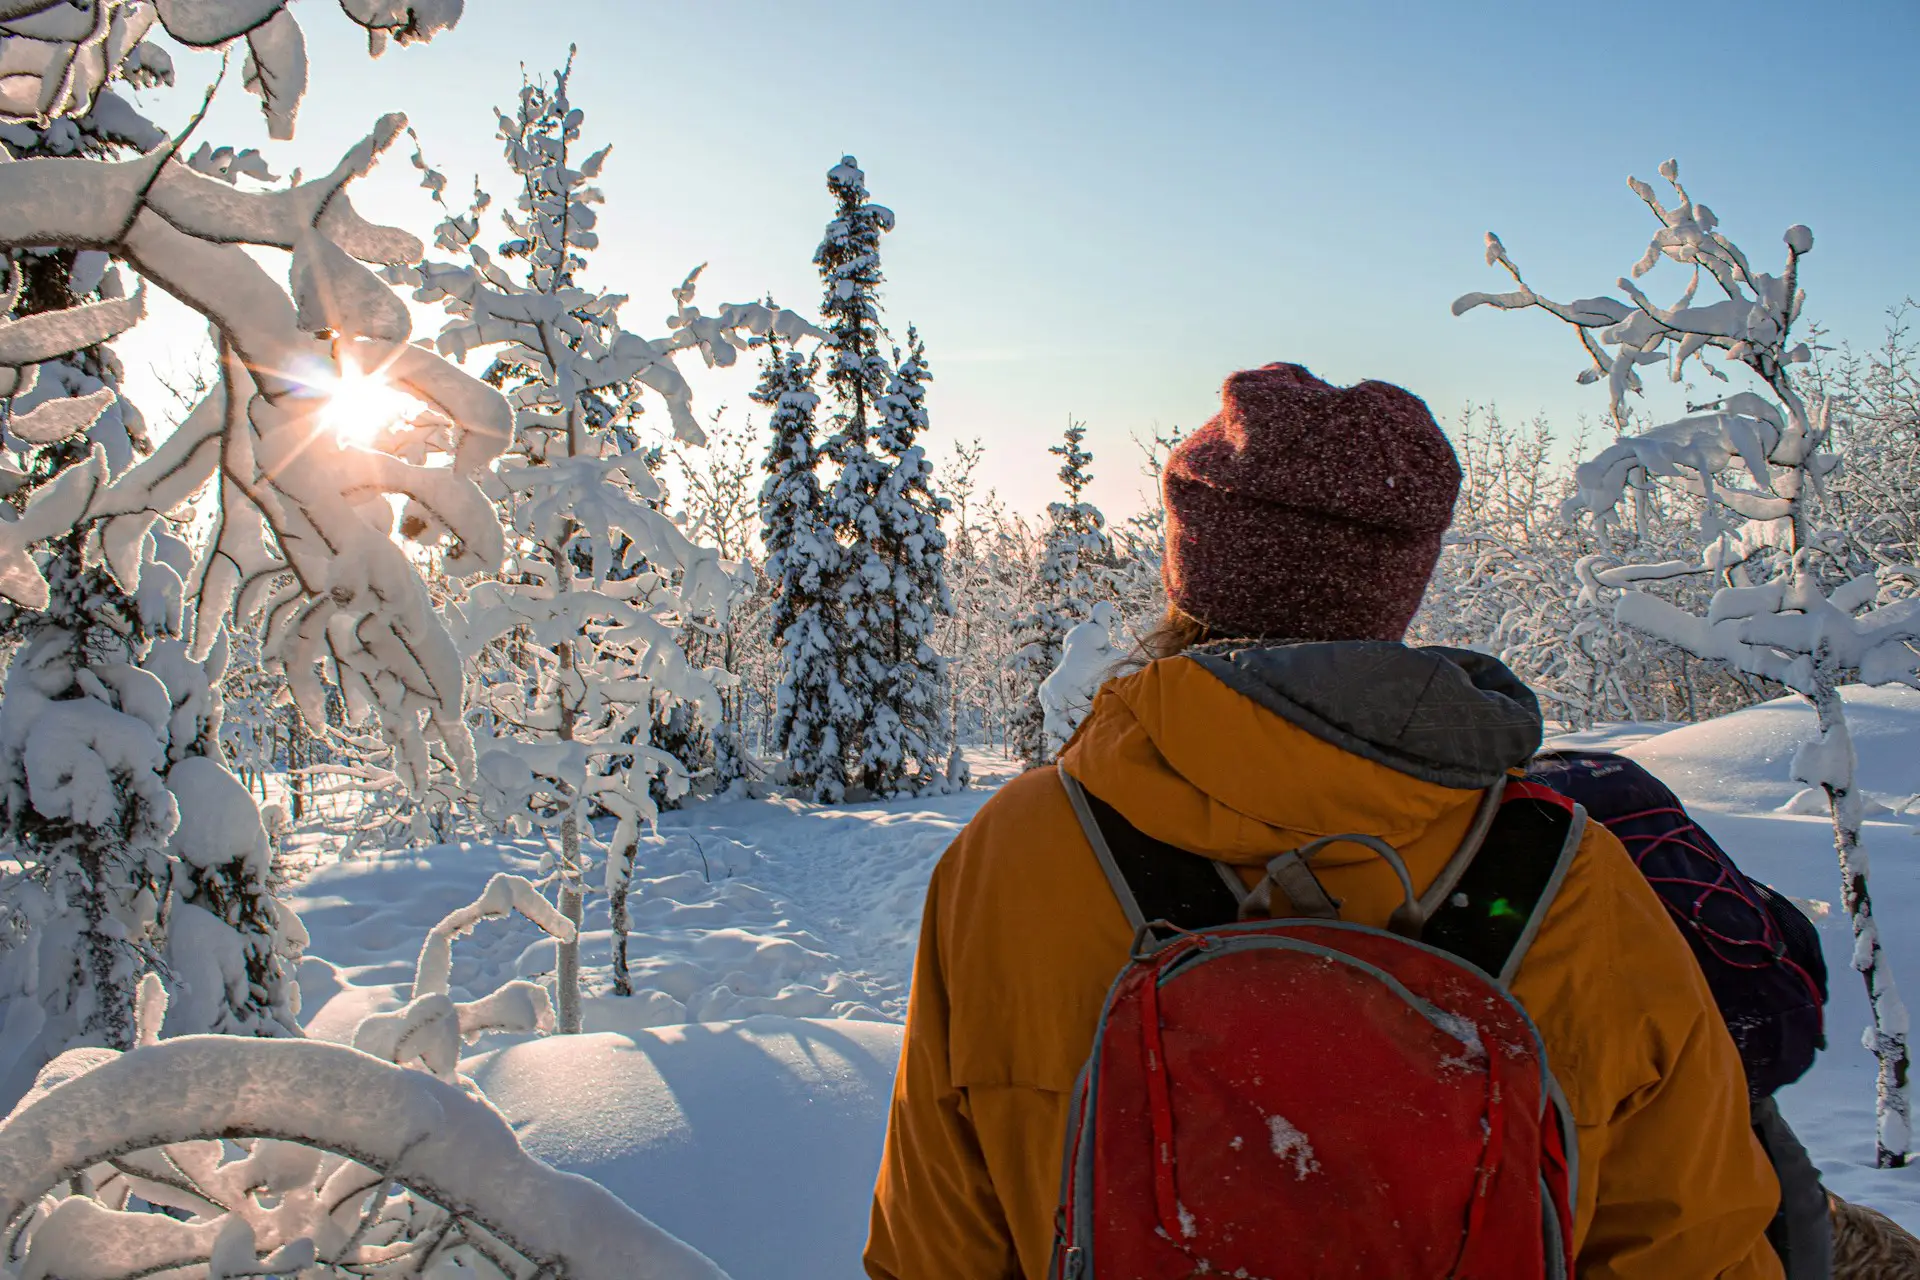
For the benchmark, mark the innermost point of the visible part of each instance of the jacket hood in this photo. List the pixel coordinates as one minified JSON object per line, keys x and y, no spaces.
{"x":1450,"y":716}
{"x":1241,"y":752}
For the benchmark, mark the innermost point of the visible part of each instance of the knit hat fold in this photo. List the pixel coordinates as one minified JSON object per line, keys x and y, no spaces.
{"x":1307,"y":511}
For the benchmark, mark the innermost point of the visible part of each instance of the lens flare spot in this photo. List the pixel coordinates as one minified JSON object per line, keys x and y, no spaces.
{"x":360,"y":406}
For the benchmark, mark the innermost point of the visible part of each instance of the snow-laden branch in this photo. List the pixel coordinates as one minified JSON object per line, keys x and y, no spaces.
{"x":96,"y":1108}
{"x":62,"y":55}
{"x":491,"y":309}
{"x":430,"y":1028}
{"x":504,"y":895}
{"x":303,"y":527}
{"x":1749,"y":325}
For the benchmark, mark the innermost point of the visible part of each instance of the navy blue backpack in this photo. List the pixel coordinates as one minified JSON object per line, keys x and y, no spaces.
{"x":1761,"y":955}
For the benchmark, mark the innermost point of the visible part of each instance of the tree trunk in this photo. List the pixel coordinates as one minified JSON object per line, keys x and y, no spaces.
{"x":296,"y":761}
{"x":618,"y":882}
{"x":573,"y":902}
{"x":1887,"y":1035}
{"x":111,"y":1018}
{"x":572,"y":889}
{"x":573,"y":894}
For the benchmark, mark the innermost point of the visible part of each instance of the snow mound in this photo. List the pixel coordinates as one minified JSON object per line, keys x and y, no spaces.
{"x":1743,"y":762}
{"x":755,"y":1142}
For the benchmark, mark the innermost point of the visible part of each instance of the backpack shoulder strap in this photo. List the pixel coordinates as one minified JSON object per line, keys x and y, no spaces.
{"x":1502,"y":897}
{"x":1498,"y":887}
{"x":1153,"y":880}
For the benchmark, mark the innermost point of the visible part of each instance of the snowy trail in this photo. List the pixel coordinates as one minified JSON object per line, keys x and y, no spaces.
{"x":853,"y":877}
{"x":737,"y":910}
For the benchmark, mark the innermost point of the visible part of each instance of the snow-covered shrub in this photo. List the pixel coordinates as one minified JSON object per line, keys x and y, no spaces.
{"x":254,"y":724}
{"x":1790,"y":606}
{"x":716,"y":497}
{"x":1139,"y":545}
{"x":313,"y":1159}
{"x":1871,"y":500}
{"x":1506,"y":584}
{"x":577,"y":637}
{"x":1087,"y":655}
{"x":232,"y":947}
{"x":428,"y":1031}
{"x":968,"y":637}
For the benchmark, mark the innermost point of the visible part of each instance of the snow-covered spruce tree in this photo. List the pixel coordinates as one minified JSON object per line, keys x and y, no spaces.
{"x":908,"y":727}
{"x":880,"y":512}
{"x":232,"y":947}
{"x":1073,"y":560}
{"x":1789,"y":610}
{"x":600,"y":580}
{"x":803,"y":561}
{"x":82,"y":726}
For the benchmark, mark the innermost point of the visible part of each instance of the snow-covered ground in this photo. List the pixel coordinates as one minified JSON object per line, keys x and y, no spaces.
{"x":739,"y":1097}
{"x":739,"y":1100}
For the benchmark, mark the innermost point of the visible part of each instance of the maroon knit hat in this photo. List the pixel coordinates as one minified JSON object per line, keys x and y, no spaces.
{"x":1305,"y":511}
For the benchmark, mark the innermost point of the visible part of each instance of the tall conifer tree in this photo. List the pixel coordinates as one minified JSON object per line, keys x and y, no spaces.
{"x":907,"y":727}
{"x":803,"y":563}
{"x":858,"y":627}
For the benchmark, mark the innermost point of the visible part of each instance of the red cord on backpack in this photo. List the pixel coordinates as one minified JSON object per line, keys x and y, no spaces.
{"x":1160,"y":1105}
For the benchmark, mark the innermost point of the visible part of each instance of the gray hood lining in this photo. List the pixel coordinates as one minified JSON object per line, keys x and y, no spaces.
{"x":1447,"y":716}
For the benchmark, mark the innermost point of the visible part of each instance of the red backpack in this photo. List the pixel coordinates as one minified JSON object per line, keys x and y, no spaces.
{"x":1308,"y":1098}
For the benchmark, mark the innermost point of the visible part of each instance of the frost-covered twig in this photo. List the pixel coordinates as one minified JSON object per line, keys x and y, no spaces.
{"x":503,"y":896}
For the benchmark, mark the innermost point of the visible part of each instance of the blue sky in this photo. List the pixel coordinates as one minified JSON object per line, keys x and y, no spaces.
{"x":1104,"y":208}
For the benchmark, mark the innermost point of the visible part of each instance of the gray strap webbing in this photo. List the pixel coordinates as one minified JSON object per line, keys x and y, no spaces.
{"x":1077,"y":796}
{"x":1305,"y":895}
{"x":1292,"y":874}
{"x":1576,"y":832}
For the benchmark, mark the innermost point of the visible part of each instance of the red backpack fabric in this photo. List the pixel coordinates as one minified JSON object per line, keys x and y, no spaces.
{"x":1311,"y":1098}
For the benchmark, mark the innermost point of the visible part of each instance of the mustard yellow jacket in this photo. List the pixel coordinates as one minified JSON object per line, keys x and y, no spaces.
{"x":1022,"y":938}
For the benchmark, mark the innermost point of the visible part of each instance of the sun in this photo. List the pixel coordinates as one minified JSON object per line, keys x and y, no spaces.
{"x":360,"y":406}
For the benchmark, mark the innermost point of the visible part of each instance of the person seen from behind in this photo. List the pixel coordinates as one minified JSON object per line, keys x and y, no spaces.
{"x":1279,"y":705}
